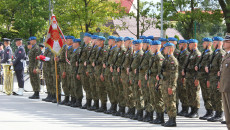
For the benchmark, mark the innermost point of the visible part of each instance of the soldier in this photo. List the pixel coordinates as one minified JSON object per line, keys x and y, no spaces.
{"x":18,"y":65}
{"x":117,"y":85}
{"x":82,"y":74}
{"x":169,"y":84}
{"x":108,"y":60}
{"x":135,"y":77}
{"x":212,"y":68}
{"x":33,"y":67}
{"x":98,"y":68}
{"x":181,"y":89}
{"x":7,"y":51}
{"x":192,"y":91}
{"x":91,"y":72}
{"x":76,"y":85}
{"x":142,"y":83}
{"x":1,"y":57}
{"x":156,"y":99}
{"x":224,"y":80}
{"x":203,"y":77}
{"x":126,"y":61}
{"x":174,"y":41}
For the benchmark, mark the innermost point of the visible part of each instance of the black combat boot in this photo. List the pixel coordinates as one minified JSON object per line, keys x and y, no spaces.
{"x":35,"y":95}
{"x":95,"y":106}
{"x":65,"y":101}
{"x":150,"y":119}
{"x":146,"y":116}
{"x":217,"y":118}
{"x":184,"y":111}
{"x":132,"y":113}
{"x":171,"y":122}
{"x":209,"y":114}
{"x":73,"y":100}
{"x":190,"y":113}
{"x":118,"y":113}
{"x":135,"y":117}
{"x":195,"y":113}
{"x":159,"y":119}
{"x":127,"y":113}
{"x":55,"y":99}
{"x":52,"y":96}
{"x":48,"y":96}
{"x":122,"y":114}
{"x":223,"y":122}
{"x":110,"y":109}
{"x":140,"y":116}
{"x":103,"y":108}
{"x":88,"y":103}
{"x":77,"y":103}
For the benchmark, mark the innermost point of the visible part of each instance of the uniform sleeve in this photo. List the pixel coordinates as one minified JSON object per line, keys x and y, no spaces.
{"x":20,"y":55}
{"x":6,"y":56}
{"x":159,"y":65}
{"x":173,"y":75}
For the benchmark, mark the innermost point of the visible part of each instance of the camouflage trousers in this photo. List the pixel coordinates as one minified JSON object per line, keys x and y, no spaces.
{"x":69,"y":80}
{"x":156,"y":97}
{"x":181,"y":92}
{"x":34,"y":80}
{"x":48,"y":81}
{"x":215,"y":95}
{"x":76,"y":86}
{"x":101,"y":89}
{"x":169,"y":100}
{"x":93,"y":88}
{"x":128,"y":95}
{"x":146,"y":94}
{"x":118,"y":89}
{"x":138,"y":95}
{"x":86,"y":85}
{"x":109,"y":88}
{"x":206,"y":94}
{"x":192,"y":92}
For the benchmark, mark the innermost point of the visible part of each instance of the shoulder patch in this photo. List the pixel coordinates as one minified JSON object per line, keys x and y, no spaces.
{"x":19,"y":52}
{"x":161,"y":59}
{"x":172,"y":62}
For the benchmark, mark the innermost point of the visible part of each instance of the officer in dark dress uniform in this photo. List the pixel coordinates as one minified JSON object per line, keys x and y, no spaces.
{"x":1,"y":57}
{"x":7,"y":51}
{"x":19,"y":57}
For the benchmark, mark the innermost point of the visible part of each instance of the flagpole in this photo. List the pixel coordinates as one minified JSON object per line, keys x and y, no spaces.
{"x":56,"y":79}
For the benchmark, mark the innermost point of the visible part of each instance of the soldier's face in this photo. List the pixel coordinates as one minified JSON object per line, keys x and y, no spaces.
{"x":75,"y":45}
{"x":18,"y":43}
{"x":215,"y":43}
{"x":154,"y":47}
{"x":29,"y":46}
{"x":166,"y":50}
{"x":1,"y":47}
{"x":69,"y":42}
{"x":127,"y":43}
{"x":119,"y":43}
{"x":145,"y":45}
{"x":87,"y":39}
{"x":191,"y":45}
{"x":180,"y":45}
{"x":226,"y":45}
{"x":174,"y":42}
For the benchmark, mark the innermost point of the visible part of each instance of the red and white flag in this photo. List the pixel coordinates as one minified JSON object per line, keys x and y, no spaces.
{"x":53,"y":39}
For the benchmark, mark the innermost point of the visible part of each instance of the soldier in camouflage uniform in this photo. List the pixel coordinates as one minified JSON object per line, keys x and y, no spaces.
{"x":142,"y":83}
{"x":33,"y":67}
{"x":163,"y":41}
{"x":91,"y":72}
{"x":135,"y":77}
{"x":118,"y":86}
{"x":192,"y":91}
{"x":181,"y":88}
{"x":169,"y":84}
{"x":156,"y":99}
{"x":202,"y":77}
{"x":128,"y":96}
{"x":108,"y":60}
{"x":212,"y":68}
{"x":98,"y":68}
{"x":82,"y":74}
{"x":76,"y":85}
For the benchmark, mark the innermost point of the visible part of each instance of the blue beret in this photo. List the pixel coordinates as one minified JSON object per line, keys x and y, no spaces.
{"x":163,"y":39}
{"x":183,"y":41}
{"x":193,"y":41}
{"x":101,"y":38}
{"x":156,"y":42}
{"x":32,"y":38}
{"x":62,"y":37}
{"x":147,"y":41}
{"x":138,"y":41}
{"x":119,"y":39}
{"x":172,"y":39}
{"x":94,"y":36}
{"x":169,"y":44}
{"x":206,"y":39}
{"x":150,"y":37}
{"x":128,"y":38}
{"x":87,"y":35}
{"x":142,"y":37}
{"x":70,"y":37}
{"x":217,"y":39}
{"x":112,"y":37}
{"x":76,"y":40}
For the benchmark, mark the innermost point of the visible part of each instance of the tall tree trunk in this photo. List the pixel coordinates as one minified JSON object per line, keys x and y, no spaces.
{"x":225,"y":7}
{"x":86,"y":17}
{"x":138,"y":18}
{"x":191,"y":25}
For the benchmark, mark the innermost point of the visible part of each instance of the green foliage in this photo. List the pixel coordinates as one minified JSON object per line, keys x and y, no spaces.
{"x":177,"y":37}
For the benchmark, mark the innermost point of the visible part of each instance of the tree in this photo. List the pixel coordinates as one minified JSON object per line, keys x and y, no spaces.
{"x":225,"y":5}
{"x":86,"y":15}
{"x":189,"y":13}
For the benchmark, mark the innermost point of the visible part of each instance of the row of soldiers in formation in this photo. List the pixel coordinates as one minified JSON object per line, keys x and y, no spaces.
{"x":144,"y":75}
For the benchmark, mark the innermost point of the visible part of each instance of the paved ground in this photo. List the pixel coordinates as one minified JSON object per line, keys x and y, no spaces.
{"x":20,"y":113}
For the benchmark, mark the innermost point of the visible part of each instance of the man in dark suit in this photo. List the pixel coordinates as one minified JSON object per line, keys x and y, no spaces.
{"x":224,"y":80}
{"x":19,"y":57}
{"x":7,"y":51}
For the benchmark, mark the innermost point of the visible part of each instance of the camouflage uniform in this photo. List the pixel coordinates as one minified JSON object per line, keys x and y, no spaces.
{"x":62,"y":64}
{"x":192,"y":91}
{"x":202,"y":77}
{"x":34,"y":78}
{"x":215,"y":95}
{"x":170,"y":76}
{"x":47,"y":71}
